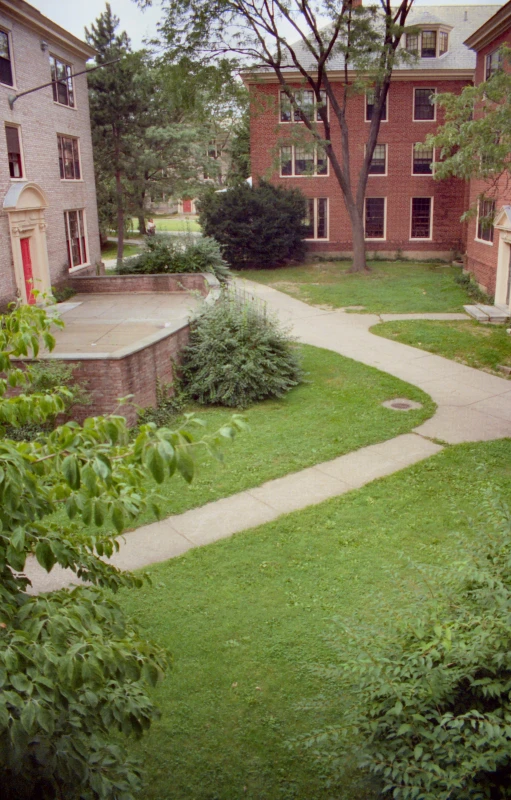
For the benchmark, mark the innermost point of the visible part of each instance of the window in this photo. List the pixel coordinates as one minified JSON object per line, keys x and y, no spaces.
{"x":12,"y":134}
{"x":375,"y":218}
{"x":485,"y":215}
{"x":62,"y":82}
{"x":421,"y":218}
{"x":302,"y":161}
{"x":422,"y":160}
{"x":69,"y":158}
{"x":378,"y":165}
{"x":493,"y":63}
{"x":305,"y":99}
{"x":423,"y":106}
{"x":443,"y":43}
{"x":370,"y":106}
{"x":428,"y":44}
{"x":316,"y":220}
{"x":75,"y":238}
{"x":5,"y":60}
{"x":412,"y":43}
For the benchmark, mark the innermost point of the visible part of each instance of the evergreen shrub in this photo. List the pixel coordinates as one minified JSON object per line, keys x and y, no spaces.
{"x":432,"y":715}
{"x":166,"y":254}
{"x":238,"y":354}
{"x":260,"y":226}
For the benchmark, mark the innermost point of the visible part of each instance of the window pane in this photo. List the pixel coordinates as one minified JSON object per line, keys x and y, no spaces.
{"x":485,"y":220}
{"x":412,"y":43}
{"x":5,"y":60}
{"x":322,"y":224}
{"x":422,"y":160}
{"x":14,"y":151}
{"x":285,"y":108}
{"x":309,"y":219}
{"x":304,"y":161}
{"x":375,"y":218}
{"x":370,"y":100}
{"x":62,"y":83}
{"x":322,"y":162}
{"x":421,"y":217}
{"x":428,"y":49}
{"x":493,"y":63}
{"x":76,"y":158}
{"x":443,"y":42}
{"x":423,"y":107}
{"x":322,"y":102}
{"x":75,"y":237}
{"x":305,"y":100}
{"x":378,"y":162}
{"x":286,"y":164}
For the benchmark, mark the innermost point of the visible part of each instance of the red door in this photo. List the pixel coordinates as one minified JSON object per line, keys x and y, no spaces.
{"x":27,"y":270}
{"x":187,"y":206}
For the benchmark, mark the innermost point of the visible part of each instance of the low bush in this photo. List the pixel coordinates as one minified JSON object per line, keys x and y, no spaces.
{"x":238,"y":354}
{"x":467,"y":282}
{"x":434,"y":704}
{"x":62,"y":293}
{"x":260,"y":226}
{"x":167,"y":254}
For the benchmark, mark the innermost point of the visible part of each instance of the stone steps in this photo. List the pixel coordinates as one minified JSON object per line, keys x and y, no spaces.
{"x":497,"y":314}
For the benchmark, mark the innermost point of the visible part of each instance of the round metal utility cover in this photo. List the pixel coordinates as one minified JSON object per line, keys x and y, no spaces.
{"x":401,"y":404}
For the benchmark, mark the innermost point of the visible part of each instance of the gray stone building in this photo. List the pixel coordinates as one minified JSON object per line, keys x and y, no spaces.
{"x":48,"y":212}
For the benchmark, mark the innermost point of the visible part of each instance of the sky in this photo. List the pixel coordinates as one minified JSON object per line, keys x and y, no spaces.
{"x":74,"y":15}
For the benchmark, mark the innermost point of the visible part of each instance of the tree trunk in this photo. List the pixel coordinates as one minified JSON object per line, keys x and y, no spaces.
{"x":358,"y":236}
{"x":120,"y":218}
{"x":141,"y":225}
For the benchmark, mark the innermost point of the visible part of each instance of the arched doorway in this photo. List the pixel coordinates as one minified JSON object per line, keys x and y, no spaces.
{"x":25,"y":204}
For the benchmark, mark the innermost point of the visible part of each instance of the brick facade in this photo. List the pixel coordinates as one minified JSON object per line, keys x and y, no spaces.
{"x":400,"y":133}
{"x":32,"y":40}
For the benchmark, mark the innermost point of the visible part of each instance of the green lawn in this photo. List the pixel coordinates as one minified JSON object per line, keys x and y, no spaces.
{"x":110,"y":251}
{"x":246,"y":618}
{"x":172,"y":224}
{"x":479,"y":346}
{"x":390,"y":287}
{"x":337,"y":409}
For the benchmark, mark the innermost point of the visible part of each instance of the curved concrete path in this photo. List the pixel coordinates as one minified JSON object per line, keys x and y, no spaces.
{"x":472,"y":406}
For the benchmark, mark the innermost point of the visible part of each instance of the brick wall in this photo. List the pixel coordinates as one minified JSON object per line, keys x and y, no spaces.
{"x":40,"y":119}
{"x":188,"y":282}
{"x":399,"y":133}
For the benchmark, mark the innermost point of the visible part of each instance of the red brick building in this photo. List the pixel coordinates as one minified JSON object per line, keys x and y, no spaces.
{"x":488,"y":249}
{"x":407,"y":212}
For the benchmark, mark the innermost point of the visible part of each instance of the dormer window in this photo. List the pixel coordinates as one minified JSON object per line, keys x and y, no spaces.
{"x":428,"y":44}
{"x":443,"y":42}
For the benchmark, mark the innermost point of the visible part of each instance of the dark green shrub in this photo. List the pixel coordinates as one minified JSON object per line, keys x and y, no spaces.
{"x":260,"y":226}
{"x":238,"y":354}
{"x":433,"y":706}
{"x":166,"y":254}
{"x":62,"y":293}
{"x":467,"y":282}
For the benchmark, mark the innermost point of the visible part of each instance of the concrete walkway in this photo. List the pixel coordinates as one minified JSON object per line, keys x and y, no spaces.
{"x":472,"y":406}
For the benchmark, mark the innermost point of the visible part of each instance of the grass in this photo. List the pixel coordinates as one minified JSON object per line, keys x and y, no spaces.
{"x":173,"y":224}
{"x":480,"y":346}
{"x":390,"y":287}
{"x":246,"y":618}
{"x":110,"y":251}
{"x":338,"y":409}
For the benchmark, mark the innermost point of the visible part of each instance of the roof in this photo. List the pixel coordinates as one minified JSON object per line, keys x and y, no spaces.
{"x":491,"y":28}
{"x":32,"y":18}
{"x":463,"y":20}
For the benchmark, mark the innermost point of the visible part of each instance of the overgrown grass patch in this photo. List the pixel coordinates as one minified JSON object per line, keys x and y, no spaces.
{"x":480,"y":346}
{"x":336,"y":410}
{"x":390,"y":287}
{"x":246,"y":619}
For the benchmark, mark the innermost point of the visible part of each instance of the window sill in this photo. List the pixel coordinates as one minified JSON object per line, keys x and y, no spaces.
{"x":64,"y":105}
{"x":424,"y":120}
{"x":375,"y":240}
{"x":316,"y":240}
{"x":18,"y":180}
{"x":382,"y":120}
{"x":304,"y":176}
{"x":78,"y":268}
{"x":72,"y":180}
{"x":422,"y":174}
{"x":8,"y":86}
{"x":482,"y":241}
{"x":378,"y":175}
{"x":421,"y":239}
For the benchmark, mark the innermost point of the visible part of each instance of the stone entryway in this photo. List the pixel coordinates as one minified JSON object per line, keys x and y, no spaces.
{"x":25,"y":204}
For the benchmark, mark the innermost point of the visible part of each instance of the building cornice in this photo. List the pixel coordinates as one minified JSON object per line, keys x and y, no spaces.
{"x":491,"y":29}
{"x":28,"y":15}
{"x":255,"y":78}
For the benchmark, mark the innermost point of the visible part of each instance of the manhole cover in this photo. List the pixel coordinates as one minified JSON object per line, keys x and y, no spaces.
{"x":401,"y":404}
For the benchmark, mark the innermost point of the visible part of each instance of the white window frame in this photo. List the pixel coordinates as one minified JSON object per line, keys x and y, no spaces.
{"x":433,"y":91}
{"x":422,"y":174}
{"x":322,"y":238}
{"x":77,"y":139}
{"x":68,"y":238}
{"x":6,"y":30}
{"x":376,"y":238}
{"x":476,"y":238}
{"x":381,"y":174}
{"x":22,"y":152}
{"x":386,"y":119}
{"x":431,"y":213}
{"x":314,"y":174}
{"x":294,"y":121}
{"x":67,"y":64}
{"x":442,"y":33}
{"x":487,"y":63}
